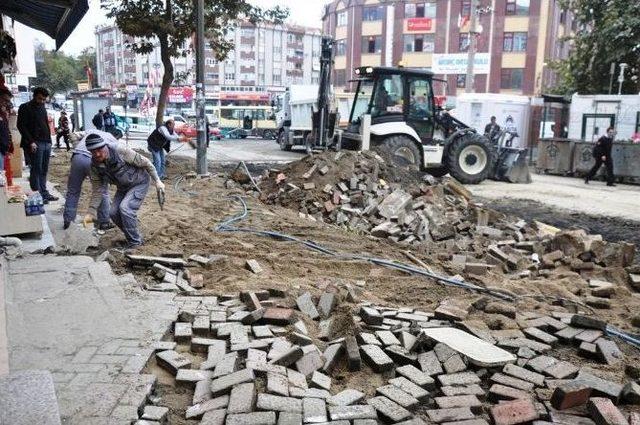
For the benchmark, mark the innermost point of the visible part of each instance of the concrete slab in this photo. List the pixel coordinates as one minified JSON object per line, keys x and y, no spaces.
{"x":478,"y":351}
{"x":28,"y":397}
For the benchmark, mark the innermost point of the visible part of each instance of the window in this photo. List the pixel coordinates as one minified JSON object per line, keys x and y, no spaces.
{"x":230,"y":76}
{"x":420,"y":10}
{"x":517,"y":7}
{"x":341,"y":47}
{"x":461,"y":81}
{"x":419,"y":43}
{"x":277,"y":79}
{"x":420,"y":97}
{"x":511,"y":79}
{"x":465,"y":8}
{"x":342,"y":19}
{"x":372,"y":13}
{"x":210,"y":61}
{"x":514,"y":42}
{"x":211,"y":76}
{"x":372,"y":44}
{"x":341,"y":77}
{"x":388,"y":96}
{"x":463,"y":42}
{"x":247,"y":32}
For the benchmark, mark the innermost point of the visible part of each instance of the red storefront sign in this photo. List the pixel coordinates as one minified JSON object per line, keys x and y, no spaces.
{"x":180,"y":94}
{"x":419,"y":24}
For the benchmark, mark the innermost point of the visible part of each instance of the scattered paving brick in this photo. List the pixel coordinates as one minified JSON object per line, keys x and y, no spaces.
{"x":332,"y":356}
{"x":416,"y":376}
{"x":354,"y":361}
{"x":309,"y":363}
{"x":278,"y":403}
{"x":514,"y":412}
{"x":631,"y":393}
{"x":348,"y":413}
{"x":314,"y":410}
{"x":225,"y":383}
{"x":278,"y":316}
{"x":346,"y":398}
{"x":327,"y":303}
{"x":410,"y":388}
{"x":541,"y":363}
{"x":454,"y":364}
{"x":503,"y":392}
{"x":510,"y":381}
{"x":365,"y":422}
{"x":306,"y":306}
{"x":457,"y":379}
{"x":214,"y":417}
{"x":316,"y":393}
{"x":609,"y":351}
{"x":473,"y":389}
{"x":468,"y":422}
{"x":155,"y":413}
{"x":297,"y":379}
{"x":371,"y":316}
{"x":320,"y":380}
{"x":254,"y":418}
{"x":398,"y":396}
{"x":604,"y":412}
{"x":191,"y":376}
{"x":201,"y":345}
{"x":277,"y":384}
{"x":570,"y":394}
{"x":172,"y":361}
{"x":368,"y":339}
{"x":450,"y":415}
{"x":541,"y":336}
{"x":524,"y":374}
{"x":377,"y":359}
{"x":200,"y":409}
{"x":289,"y":418}
{"x":389,"y":409}
{"x":202,"y":391}
{"x":242,"y":398}
{"x":600,"y":387}
{"x":401,"y":355}
{"x":469,"y":401}
{"x":590,"y":335}
{"x":228,"y":364}
{"x":182,"y":332}
{"x":429,"y":363}
{"x":562,"y":370}
{"x":289,"y":357}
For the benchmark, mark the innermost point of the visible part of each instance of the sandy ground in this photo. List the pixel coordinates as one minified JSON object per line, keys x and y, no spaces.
{"x":568,"y":193}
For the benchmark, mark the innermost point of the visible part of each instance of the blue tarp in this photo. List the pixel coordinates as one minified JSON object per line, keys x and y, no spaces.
{"x":56,"y":18}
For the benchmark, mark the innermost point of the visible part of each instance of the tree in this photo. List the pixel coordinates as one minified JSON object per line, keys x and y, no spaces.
{"x":172,"y":22}
{"x":607,"y":32}
{"x":56,"y":72}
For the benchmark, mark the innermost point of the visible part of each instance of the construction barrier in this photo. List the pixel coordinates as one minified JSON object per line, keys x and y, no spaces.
{"x":555,"y":156}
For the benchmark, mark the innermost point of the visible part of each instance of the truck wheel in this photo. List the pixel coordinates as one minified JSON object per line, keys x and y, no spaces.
{"x":267,"y":134}
{"x":400,"y":151}
{"x":282,"y":141}
{"x":470,"y":159}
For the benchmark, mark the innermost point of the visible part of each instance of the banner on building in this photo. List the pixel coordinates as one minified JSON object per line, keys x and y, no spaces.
{"x":180,"y":95}
{"x":419,"y":24}
{"x":456,"y":63}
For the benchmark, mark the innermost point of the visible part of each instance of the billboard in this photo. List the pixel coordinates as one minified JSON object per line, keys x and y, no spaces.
{"x":419,"y":24}
{"x":456,"y":63}
{"x":180,"y":94}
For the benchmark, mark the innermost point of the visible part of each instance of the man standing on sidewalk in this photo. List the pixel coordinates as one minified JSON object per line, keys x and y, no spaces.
{"x":33,"y":125}
{"x":109,"y":119}
{"x":130,"y":172}
{"x":79,"y":171}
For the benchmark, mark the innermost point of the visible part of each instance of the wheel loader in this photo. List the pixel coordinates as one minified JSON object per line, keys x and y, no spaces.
{"x":394,"y":114}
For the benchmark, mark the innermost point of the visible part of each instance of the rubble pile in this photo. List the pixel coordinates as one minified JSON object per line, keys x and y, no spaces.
{"x":253,"y":359}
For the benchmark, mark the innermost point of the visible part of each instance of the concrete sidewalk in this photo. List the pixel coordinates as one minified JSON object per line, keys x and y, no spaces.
{"x":93,"y":330}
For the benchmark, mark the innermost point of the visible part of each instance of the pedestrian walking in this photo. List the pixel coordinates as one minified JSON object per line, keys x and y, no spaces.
{"x":602,"y":154}
{"x":98,"y":120}
{"x":33,"y":125}
{"x":78,"y":173}
{"x":63,"y":131}
{"x":159,"y":142}
{"x":6,"y":146}
{"x":109,"y":119}
{"x":131,"y":173}
{"x":72,"y":118}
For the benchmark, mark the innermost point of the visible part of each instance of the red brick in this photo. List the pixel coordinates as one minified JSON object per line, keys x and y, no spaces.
{"x":514,"y":412}
{"x":570,"y":394}
{"x":278,"y":316}
{"x":604,"y":412}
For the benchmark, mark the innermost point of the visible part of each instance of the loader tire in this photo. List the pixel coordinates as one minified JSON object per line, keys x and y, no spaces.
{"x":470,"y":159}
{"x":400,"y":151}
{"x":438,"y":171}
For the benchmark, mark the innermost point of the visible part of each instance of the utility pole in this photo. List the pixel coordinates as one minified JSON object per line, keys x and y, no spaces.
{"x":612,"y":72}
{"x":623,"y":66}
{"x":201,"y":153}
{"x":473,"y":46}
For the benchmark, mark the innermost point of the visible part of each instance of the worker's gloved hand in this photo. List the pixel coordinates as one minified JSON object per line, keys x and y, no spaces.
{"x":87,"y":220}
{"x":160,"y":185}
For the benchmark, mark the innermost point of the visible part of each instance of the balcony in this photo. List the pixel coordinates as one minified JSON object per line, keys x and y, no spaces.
{"x":248,"y":55}
{"x":247,"y":83}
{"x":248,"y":41}
{"x":248,"y":69}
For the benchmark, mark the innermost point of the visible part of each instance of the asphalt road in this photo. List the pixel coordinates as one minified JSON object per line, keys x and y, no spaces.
{"x":230,"y":150}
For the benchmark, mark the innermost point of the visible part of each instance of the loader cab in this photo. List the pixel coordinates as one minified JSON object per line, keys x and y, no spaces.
{"x":395,"y":97}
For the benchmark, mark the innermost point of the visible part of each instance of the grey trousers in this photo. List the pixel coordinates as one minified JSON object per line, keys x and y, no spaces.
{"x":124,"y":210}
{"x":80,"y":169}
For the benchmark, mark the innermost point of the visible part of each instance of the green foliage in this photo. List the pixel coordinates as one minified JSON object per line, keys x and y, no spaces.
{"x":171,"y":23}
{"x":608,"y":32}
{"x":59,"y":73}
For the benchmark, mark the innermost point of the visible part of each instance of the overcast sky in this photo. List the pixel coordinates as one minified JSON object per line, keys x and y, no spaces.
{"x":303,"y":12}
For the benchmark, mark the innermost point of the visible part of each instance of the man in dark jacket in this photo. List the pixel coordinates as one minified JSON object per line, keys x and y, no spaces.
{"x":158,"y":142}
{"x":63,"y":130}
{"x":602,"y":155}
{"x":98,"y":120}
{"x":492,"y":129}
{"x":109,"y":119}
{"x":33,"y":125}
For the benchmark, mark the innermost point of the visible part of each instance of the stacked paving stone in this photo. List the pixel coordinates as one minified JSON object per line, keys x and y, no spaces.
{"x":359,"y":192}
{"x":264,"y":366}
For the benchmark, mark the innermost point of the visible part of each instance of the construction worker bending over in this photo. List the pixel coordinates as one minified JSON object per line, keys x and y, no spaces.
{"x":130,"y":172}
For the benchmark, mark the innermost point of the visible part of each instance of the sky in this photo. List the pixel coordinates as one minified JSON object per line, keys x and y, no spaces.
{"x":302,"y":12}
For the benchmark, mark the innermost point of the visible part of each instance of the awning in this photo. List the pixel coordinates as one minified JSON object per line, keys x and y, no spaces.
{"x":56,"y":18}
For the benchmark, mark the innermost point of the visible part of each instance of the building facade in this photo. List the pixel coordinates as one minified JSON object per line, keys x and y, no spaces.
{"x":518,"y":40}
{"x":266,"y":59}
{"x":24,"y":67}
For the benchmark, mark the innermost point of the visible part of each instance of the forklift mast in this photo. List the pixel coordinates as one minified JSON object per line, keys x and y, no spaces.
{"x":323,"y":120}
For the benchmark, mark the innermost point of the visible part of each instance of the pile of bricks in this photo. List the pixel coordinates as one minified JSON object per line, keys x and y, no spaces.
{"x":253,"y":359}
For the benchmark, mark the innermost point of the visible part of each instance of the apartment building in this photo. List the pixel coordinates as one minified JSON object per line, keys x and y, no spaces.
{"x":266,"y":58}
{"x":518,"y":40}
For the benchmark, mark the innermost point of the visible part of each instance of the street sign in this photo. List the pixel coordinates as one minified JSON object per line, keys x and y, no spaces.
{"x":419,"y":24}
